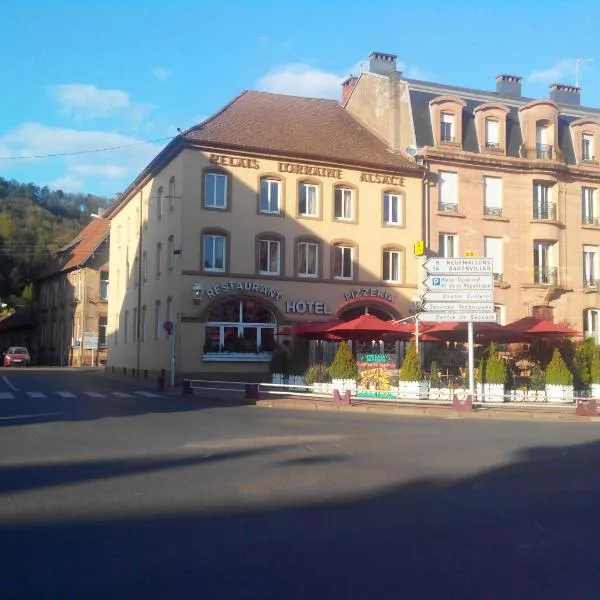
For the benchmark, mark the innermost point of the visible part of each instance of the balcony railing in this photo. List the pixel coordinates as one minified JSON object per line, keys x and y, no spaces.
{"x":587,"y":156}
{"x":448,"y":207}
{"x":544,"y":151}
{"x":448,"y":138}
{"x":591,"y":283}
{"x":546,"y":211}
{"x":492,"y":145}
{"x":590,"y":220}
{"x":498,"y":277}
{"x":545,"y":275}
{"x":492,"y":211}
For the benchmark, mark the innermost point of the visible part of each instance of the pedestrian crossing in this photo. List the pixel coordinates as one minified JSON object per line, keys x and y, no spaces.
{"x":90,"y":394}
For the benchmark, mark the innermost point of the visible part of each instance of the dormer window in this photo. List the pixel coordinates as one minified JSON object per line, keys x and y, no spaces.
{"x":587,"y":147}
{"x":542,"y":139}
{"x":447,"y":128}
{"x":492,"y":134}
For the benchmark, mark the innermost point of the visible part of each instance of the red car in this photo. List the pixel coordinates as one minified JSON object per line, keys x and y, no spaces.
{"x":17,"y":356}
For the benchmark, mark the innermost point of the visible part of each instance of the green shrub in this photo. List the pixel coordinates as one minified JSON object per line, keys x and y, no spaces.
{"x":537,"y":379}
{"x":496,"y":369}
{"x":279,"y":361}
{"x":434,"y":378}
{"x":318,"y":373}
{"x":343,"y":365}
{"x":595,"y":367}
{"x":557,"y":372}
{"x":582,"y":361}
{"x":411,"y":369}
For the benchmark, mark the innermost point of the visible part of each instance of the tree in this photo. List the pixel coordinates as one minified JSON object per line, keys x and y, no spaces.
{"x":343,"y":365}
{"x":411,"y":369}
{"x":557,"y":372}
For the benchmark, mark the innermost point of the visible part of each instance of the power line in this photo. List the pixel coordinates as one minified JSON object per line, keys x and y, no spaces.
{"x":57,"y":154}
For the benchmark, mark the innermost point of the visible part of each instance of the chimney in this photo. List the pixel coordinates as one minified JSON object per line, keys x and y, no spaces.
{"x":565,"y":94}
{"x":508,"y":85}
{"x":382,"y":63}
{"x":347,"y":87}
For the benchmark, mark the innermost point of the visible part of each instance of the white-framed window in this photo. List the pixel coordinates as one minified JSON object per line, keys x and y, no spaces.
{"x":215,"y":190}
{"x":544,"y":209}
{"x":308,"y":259}
{"x":392,"y":266}
{"x":392,"y":208}
{"x":591,"y":324}
{"x":343,"y":208}
{"x":308,"y":202}
{"x":542,"y":138}
{"x":143,"y":324}
{"x":492,"y":196}
{"x":493,"y":248}
{"x":448,"y":191}
{"x":500,"y":314}
{"x":172,"y":193}
{"x":492,"y":134}
{"x":157,"y":324}
{"x":591,"y":276}
{"x":448,"y":245}
{"x":213,"y":252}
{"x":145,"y":267}
{"x":589,"y":206}
{"x":170,"y":253}
{"x":159,"y":203}
{"x":270,"y":196}
{"x":102,"y":325}
{"x":447,"y":128}
{"x":269,"y":252}
{"x":587,"y":147}
{"x":103,"y":285}
{"x":158,"y":260}
{"x":545,"y":270}
{"x":126,"y":327}
{"x":343,"y":262}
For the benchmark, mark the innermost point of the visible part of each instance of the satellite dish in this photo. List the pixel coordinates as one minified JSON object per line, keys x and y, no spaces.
{"x":411,"y":150}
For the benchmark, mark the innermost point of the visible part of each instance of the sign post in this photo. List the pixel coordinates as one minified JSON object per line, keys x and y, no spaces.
{"x":460,"y":290}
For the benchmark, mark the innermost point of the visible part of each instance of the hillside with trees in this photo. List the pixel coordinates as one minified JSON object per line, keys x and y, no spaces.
{"x":35,"y":222}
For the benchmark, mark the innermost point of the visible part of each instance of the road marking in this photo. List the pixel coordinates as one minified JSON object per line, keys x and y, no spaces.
{"x":94,"y":394}
{"x":122,"y":394}
{"x":6,"y":396}
{"x":36,"y":394}
{"x":147,"y":394}
{"x":9,"y":384}
{"x":65,"y":395}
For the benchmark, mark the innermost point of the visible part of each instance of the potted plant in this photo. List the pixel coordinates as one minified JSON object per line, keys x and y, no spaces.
{"x":343,"y":369}
{"x":411,"y":382}
{"x":317,"y":377}
{"x":595,"y":374}
{"x":494,"y":374}
{"x":436,"y":391}
{"x":559,"y":380}
{"x":537,"y":382}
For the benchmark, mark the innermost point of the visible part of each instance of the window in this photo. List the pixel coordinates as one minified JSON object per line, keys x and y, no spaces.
{"x":143,"y":324}
{"x":343,"y":204}
{"x":268,"y":257}
{"x":172,"y":193}
{"x":158,"y":260}
{"x":492,"y":196}
{"x":159,"y":204}
{"x":170,"y":253}
{"x":343,"y":262}
{"x":493,"y":249}
{"x":543,"y":207}
{"x":544,"y":271}
{"x":157,"y":326}
{"x":270,"y":192}
{"x":492,"y":137}
{"x":102,"y":322}
{"x":500,"y":314}
{"x":447,"y":128}
{"x":392,"y":209}
{"x":591,"y":324}
{"x":308,"y":200}
{"x":126,"y":327}
{"x":448,"y":245}
{"x":588,"y":206}
{"x":103,"y":285}
{"x":542,"y":137}
{"x":392,"y":265}
{"x":591,"y":278}
{"x":213,"y":252}
{"x":145,"y":267}
{"x":240,"y":326}
{"x":215,"y":190}
{"x":308,"y":259}
{"x":448,"y":191}
{"x":135,"y":324}
{"x":587,"y":147}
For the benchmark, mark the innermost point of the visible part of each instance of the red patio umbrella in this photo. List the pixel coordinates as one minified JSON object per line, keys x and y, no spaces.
{"x":533,"y":327}
{"x":458,"y":332}
{"x":313,"y":331}
{"x":371,"y":327}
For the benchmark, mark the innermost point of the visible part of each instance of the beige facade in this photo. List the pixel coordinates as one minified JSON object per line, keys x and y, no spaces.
{"x":510,"y":178}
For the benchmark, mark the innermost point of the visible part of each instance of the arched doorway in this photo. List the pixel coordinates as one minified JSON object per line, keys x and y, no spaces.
{"x":354,"y":308}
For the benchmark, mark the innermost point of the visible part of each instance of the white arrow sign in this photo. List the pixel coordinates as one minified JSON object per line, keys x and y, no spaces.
{"x":451,"y":266}
{"x":459,"y":296}
{"x":458,"y":306}
{"x":457,"y":317}
{"x":460,"y":282}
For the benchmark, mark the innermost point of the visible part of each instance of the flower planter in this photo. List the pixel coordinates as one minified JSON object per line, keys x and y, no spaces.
{"x":343,"y":385}
{"x":413,"y":389}
{"x":595,"y":390}
{"x":563,"y":394}
{"x":437,"y":393}
{"x":490,"y":392}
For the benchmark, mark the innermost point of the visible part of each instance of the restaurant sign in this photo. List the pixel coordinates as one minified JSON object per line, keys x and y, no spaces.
{"x":368,"y":293}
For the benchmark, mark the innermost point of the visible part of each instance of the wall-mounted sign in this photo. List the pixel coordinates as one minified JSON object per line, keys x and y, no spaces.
{"x":228,"y":287}
{"x":368,"y":293}
{"x":385,"y":179}
{"x":287,"y":167}
{"x":307,"y":307}
{"x":234,"y":161}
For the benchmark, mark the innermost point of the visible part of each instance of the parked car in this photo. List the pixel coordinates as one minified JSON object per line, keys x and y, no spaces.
{"x":17,"y":356}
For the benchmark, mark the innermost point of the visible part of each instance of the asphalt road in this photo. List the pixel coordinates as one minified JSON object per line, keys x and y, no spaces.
{"x":109,"y":493}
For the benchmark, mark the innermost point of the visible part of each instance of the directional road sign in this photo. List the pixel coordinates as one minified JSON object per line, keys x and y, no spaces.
{"x":458,"y":306}
{"x":451,"y":266}
{"x":458,"y":317}
{"x":460,"y":282}
{"x":458,"y":296}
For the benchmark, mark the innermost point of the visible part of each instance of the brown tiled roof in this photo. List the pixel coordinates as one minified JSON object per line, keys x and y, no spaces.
{"x":299,"y":127}
{"x":79,"y":249}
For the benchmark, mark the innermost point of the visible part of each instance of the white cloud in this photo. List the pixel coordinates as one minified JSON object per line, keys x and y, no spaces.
{"x":105,"y":170}
{"x":417,"y":73}
{"x":68,"y":183}
{"x":298,"y":79}
{"x":161,"y":73}
{"x":83,"y":101}
{"x":554,"y":74}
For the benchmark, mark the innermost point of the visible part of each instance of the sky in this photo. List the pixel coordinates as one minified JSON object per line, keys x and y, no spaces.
{"x":81,"y":77}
